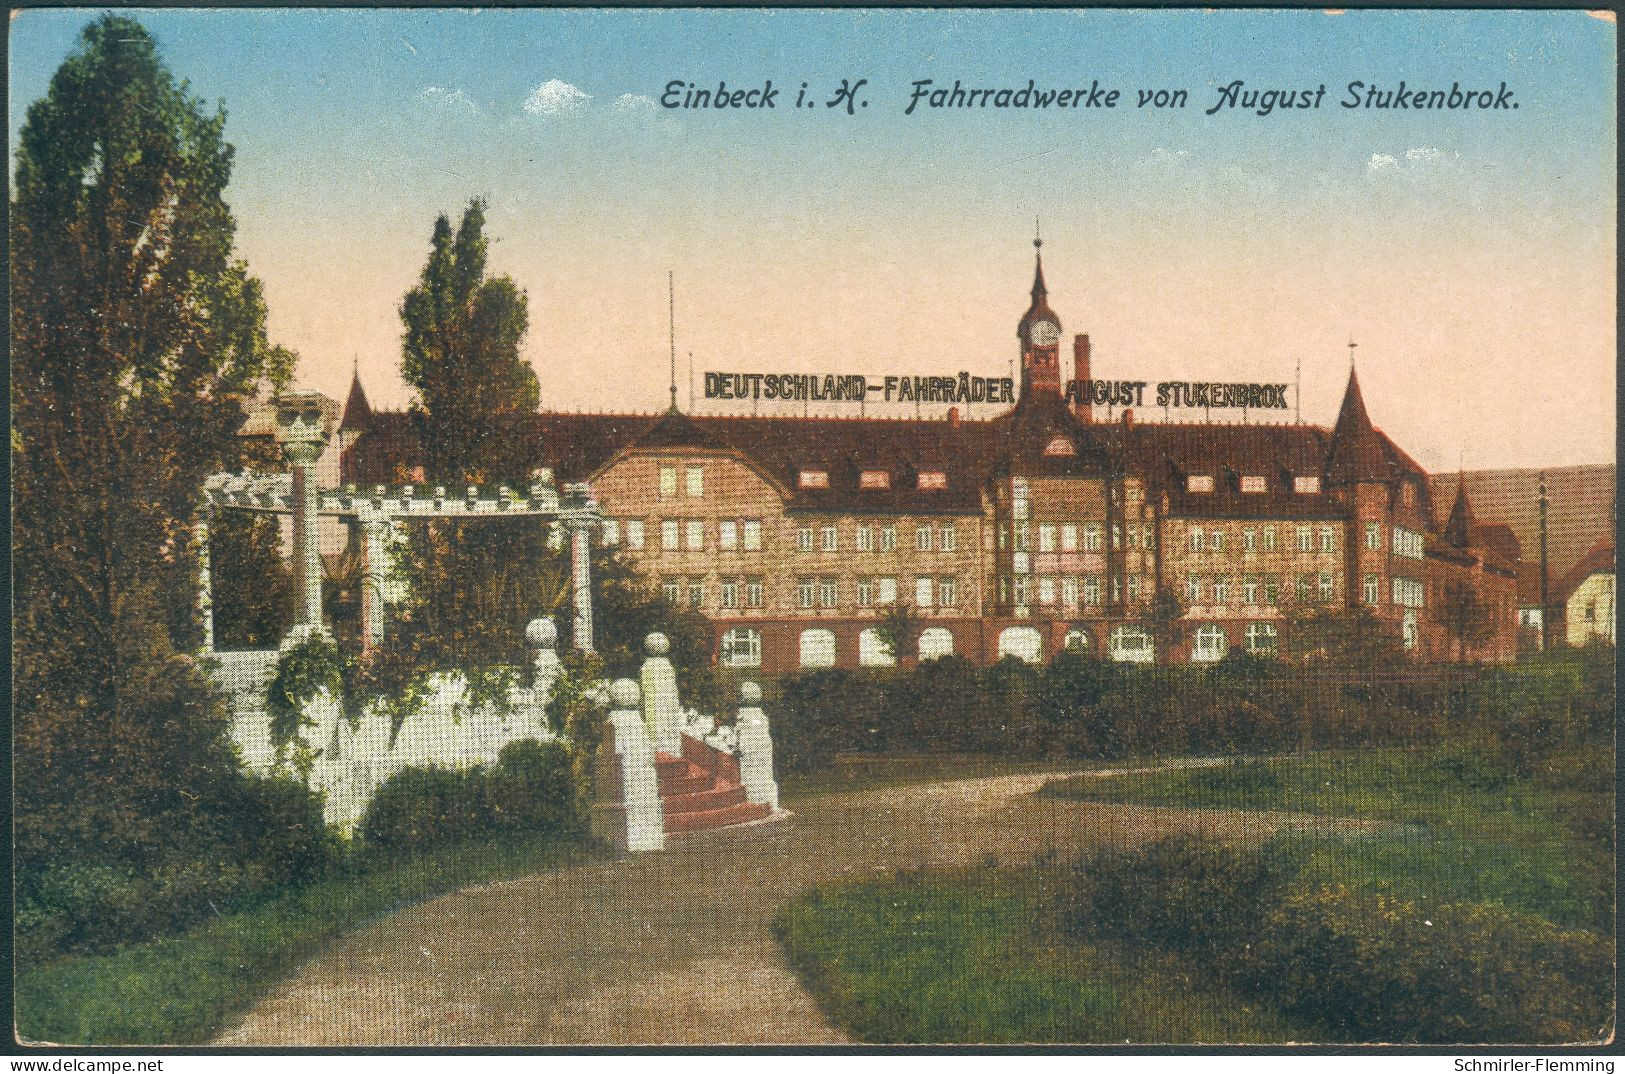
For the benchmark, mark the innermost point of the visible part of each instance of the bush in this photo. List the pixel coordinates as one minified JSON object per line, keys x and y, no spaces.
{"x":532,"y":788}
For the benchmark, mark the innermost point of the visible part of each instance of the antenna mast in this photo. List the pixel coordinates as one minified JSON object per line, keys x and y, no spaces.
{"x":671,"y":334}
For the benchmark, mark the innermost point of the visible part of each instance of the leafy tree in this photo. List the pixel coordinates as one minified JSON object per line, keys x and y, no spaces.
{"x":135,"y":335}
{"x":252,"y":587}
{"x":1349,"y":638}
{"x":898,"y":627}
{"x":1465,"y":617}
{"x":1163,"y":621}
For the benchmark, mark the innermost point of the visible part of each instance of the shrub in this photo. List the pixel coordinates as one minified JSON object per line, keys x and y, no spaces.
{"x":532,"y":788}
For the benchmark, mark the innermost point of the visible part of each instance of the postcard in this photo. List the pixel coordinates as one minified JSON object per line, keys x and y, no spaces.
{"x":709,"y":527}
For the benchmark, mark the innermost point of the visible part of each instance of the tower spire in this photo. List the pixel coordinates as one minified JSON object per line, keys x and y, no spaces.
{"x":1040,"y":292}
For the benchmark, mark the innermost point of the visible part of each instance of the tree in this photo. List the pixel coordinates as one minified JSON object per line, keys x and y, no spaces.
{"x":1349,"y":638}
{"x":897,"y":628}
{"x":1163,"y":619}
{"x":135,"y":335}
{"x":1465,"y":617}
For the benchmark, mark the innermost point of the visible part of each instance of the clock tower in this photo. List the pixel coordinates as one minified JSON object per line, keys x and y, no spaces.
{"x":1040,"y":336}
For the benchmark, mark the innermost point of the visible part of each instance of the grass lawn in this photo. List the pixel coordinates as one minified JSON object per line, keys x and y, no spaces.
{"x":1462,"y":830}
{"x":184,"y":989}
{"x":863,"y":772}
{"x":973,"y":957}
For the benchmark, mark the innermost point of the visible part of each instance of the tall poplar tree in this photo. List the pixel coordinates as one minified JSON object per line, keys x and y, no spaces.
{"x":135,"y":335}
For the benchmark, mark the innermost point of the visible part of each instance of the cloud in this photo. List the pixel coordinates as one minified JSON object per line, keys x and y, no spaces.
{"x":1164,"y":158}
{"x":1381,"y":162}
{"x":634,"y":102}
{"x":555,"y":98}
{"x":1417,"y":160}
{"x":1423,"y":152}
{"x":451,"y":100}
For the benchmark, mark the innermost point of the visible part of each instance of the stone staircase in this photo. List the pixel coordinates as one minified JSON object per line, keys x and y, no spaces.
{"x":702,"y":790}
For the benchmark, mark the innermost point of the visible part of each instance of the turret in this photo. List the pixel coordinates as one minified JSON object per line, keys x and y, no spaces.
{"x":1040,"y":334}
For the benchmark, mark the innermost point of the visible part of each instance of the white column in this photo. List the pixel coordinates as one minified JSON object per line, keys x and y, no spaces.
{"x":307,"y":552}
{"x":581,"y":580}
{"x":374,"y":570}
{"x":205,"y":578}
{"x":662,"y":711}
{"x":755,"y":749}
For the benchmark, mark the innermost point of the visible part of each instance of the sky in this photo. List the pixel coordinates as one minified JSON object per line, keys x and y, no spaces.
{"x":1470,"y":254}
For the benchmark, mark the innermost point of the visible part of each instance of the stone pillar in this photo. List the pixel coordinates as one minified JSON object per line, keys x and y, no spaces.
{"x":374,"y":572}
{"x":205,"y":581}
{"x":755,"y":749}
{"x":628,"y":813}
{"x":662,"y":712}
{"x":543,"y":636}
{"x":302,"y":432}
{"x":581,"y":582}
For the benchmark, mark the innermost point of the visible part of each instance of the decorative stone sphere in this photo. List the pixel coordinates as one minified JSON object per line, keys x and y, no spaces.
{"x":542,"y":633}
{"x":657,"y":644}
{"x":624,"y":694}
{"x":750,"y":694}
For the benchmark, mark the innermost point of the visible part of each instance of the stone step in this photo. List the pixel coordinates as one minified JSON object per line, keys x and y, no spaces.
{"x":718,"y":797}
{"x":741,"y":813}
{"x":695,"y":783}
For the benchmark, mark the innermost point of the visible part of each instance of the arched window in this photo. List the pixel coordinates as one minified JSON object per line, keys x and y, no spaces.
{"x":872,"y":652}
{"x":742,"y":648}
{"x":1259,"y":639}
{"x":1130,"y":644}
{"x":936,"y":643}
{"x":1024,"y":643}
{"x":1211,"y":643}
{"x":1078,"y":640}
{"x":817,"y":648}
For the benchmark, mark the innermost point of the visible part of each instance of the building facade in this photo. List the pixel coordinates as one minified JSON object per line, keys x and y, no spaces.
{"x":1039,"y":529}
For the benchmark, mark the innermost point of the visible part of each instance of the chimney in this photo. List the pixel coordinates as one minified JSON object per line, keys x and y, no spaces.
{"x":953,"y":417}
{"x":1128,"y":419}
{"x":1080,"y":374}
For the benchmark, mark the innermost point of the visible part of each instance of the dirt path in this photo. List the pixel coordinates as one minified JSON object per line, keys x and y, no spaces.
{"x":672,"y":947}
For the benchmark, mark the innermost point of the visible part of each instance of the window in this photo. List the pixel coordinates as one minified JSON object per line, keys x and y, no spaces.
{"x":694,"y":481}
{"x":1305,"y":543}
{"x":610,"y":533}
{"x":1328,"y":539}
{"x":730,"y":593}
{"x":1373,"y":536}
{"x":866,"y":592}
{"x":1326,"y":588}
{"x":827,"y":591}
{"x":1131,"y":644}
{"x":1249,"y":539}
{"x":1150,"y":539}
{"x":1269,"y":538}
{"x":1046,"y":590}
{"x":1211,"y":644}
{"x":668,"y":535}
{"x":1193,"y":589}
{"x":874,"y":479}
{"x":1407,"y":543}
{"x":1407,"y":494}
{"x":829,"y":538}
{"x":1221,"y":590}
{"x":873,"y":652}
{"x":1091,"y":536}
{"x":1199,"y":483}
{"x":888,"y":538}
{"x":1069,"y":592}
{"x":886,"y":590}
{"x":804,"y":592}
{"x":1091,"y":590}
{"x":1304,"y":589}
{"x":1259,"y":639}
{"x":634,"y":533}
{"x":804,"y":539}
{"x":936,"y":643}
{"x":742,"y":648}
{"x":1023,"y":589}
{"x":1272,"y":589}
{"x":695,"y":535}
{"x":1408,"y":593}
{"x":1077,"y":641}
{"x":1069,"y":537}
{"x":1253,"y":483}
{"x":753,"y":592}
{"x":947,"y":591}
{"x":1134,"y":587}
{"x":1198,"y":540}
{"x":1249,"y":590}
{"x":1117,"y":535}
{"x":950,"y":537}
{"x":696,"y":592}
{"x":671,"y":590}
{"x":814,"y":479}
{"x":1306,"y":484}
{"x":753,"y":535}
{"x":932,"y":479}
{"x":1024,"y":643}
{"x":1004,"y":589}
{"x":1133,"y":536}
{"x":1117,"y":588}
{"x":817,"y":648}
{"x":668,"y":481}
{"x":1023,"y":537}
{"x":922,"y":538}
{"x":728,"y":535}
{"x":1004,"y":536}
{"x":1371,"y":589}
{"x":866,"y":539}
{"x":923,"y":592}
{"x":1046,"y":536}
{"x":1215,"y":540}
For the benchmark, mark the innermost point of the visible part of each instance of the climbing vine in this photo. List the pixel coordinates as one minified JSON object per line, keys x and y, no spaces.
{"x":575,"y":711}
{"x":302,"y":674}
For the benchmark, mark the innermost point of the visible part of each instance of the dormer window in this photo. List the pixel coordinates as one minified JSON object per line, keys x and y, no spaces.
{"x":1060,"y":446}
{"x":932,"y":479}
{"x":1254,"y":483}
{"x":874,"y":479}
{"x":1199,"y":483}
{"x":1306,"y":484}
{"x":814,"y":479}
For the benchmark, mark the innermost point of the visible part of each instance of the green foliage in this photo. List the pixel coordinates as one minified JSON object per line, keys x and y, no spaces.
{"x":252,"y":587}
{"x":530,"y":789}
{"x":897,"y":628}
{"x":185,"y":989}
{"x":1465,"y":616}
{"x":302,"y":674}
{"x":1348,"y":638}
{"x":575,"y":711}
